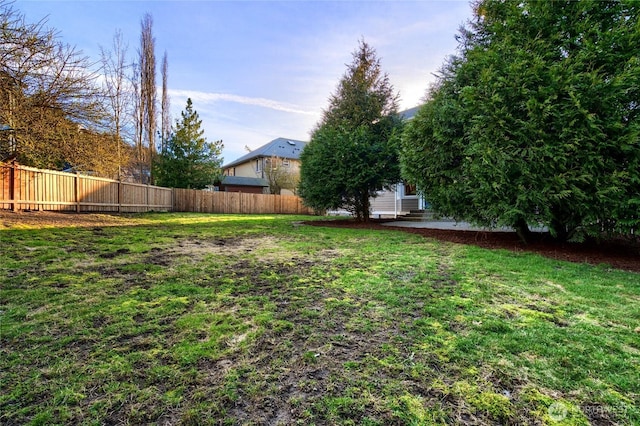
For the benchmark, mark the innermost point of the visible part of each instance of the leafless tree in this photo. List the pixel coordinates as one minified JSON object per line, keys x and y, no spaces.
{"x":49,"y":99}
{"x":165,"y":104}
{"x":117,"y":91}
{"x":148,"y":93}
{"x":279,"y":176}
{"x":137,"y":113}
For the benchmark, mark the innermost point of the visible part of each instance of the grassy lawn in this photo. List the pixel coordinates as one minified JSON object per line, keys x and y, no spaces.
{"x":220,"y":319}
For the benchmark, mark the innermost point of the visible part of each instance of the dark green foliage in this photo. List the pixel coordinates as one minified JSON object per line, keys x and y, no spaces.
{"x":189,"y":161}
{"x":345,"y":168}
{"x":537,"y":120}
{"x":353,"y":153}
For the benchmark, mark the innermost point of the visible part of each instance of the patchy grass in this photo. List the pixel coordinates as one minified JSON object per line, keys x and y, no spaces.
{"x":227,"y":319}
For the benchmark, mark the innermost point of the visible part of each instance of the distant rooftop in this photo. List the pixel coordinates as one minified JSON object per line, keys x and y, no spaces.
{"x":408,"y":114}
{"x":244,"y":181}
{"x":280,"y":147}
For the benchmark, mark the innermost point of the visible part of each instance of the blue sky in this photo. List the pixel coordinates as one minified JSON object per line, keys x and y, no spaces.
{"x":258,"y":70}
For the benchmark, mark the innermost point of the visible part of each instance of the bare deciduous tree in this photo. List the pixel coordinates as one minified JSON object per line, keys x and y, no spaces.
{"x":118,"y":92}
{"x":137,"y":113}
{"x":279,"y":175}
{"x":148,"y":93}
{"x":165,"y":104}
{"x":50,"y":101}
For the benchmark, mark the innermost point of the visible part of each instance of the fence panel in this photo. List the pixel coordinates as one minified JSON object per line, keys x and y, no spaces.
{"x":191,"y":200}
{"x":26,"y":188}
{"x":160,"y":199}
{"x":95,"y":194}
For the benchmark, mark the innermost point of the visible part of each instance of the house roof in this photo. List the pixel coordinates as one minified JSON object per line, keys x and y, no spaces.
{"x":408,"y":114}
{"x":280,"y":147}
{"x":244,"y":181}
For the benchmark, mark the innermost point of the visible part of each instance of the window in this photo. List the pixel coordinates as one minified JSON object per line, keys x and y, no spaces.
{"x":258,"y":165}
{"x":410,"y":189}
{"x":285,"y":162}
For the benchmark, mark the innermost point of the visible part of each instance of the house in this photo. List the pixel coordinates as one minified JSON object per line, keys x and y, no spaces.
{"x":277,"y":163}
{"x":403,"y":197}
{"x":244,"y":184}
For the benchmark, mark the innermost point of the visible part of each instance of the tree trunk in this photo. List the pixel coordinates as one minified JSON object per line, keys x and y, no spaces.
{"x":559,"y":230}
{"x":558,"y":226}
{"x":364,"y":205}
{"x":522,"y":229}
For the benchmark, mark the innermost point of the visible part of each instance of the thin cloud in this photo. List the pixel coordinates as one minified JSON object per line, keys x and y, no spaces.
{"x":206,"y":97}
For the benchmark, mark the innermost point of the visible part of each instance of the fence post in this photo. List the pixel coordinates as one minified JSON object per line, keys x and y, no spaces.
{"x":76,"y":187}
{"x":12,"y":187}
{"x":119,"y":195}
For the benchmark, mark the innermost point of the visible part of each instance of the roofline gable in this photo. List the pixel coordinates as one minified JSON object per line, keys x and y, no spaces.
{"x":279,"y":147}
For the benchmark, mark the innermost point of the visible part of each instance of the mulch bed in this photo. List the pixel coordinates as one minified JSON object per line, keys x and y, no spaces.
{"x":624,"y":255}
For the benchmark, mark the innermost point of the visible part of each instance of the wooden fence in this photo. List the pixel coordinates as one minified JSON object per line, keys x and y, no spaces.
{"x":27,"y":188}
{"x":191,"y":200}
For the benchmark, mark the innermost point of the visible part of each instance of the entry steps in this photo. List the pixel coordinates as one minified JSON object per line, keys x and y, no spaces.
{"x":421,"y":216}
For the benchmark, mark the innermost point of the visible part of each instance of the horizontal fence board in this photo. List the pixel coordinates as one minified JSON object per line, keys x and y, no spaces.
{"x":28,"y":188}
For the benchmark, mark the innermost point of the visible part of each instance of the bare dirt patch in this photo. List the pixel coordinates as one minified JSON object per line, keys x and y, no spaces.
{"x":297,"y":363}
{"x":9,"y":219}
{"x":624,"y":255}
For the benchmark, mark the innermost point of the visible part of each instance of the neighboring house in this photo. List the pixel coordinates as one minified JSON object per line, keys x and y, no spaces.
{"x":400,"y":200}
{"x":402,"y":197}
{"x":281,"y":155}
{"x":243,"y":184}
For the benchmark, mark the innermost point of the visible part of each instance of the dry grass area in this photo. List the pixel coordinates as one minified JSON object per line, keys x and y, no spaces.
{"x":22,"y":219}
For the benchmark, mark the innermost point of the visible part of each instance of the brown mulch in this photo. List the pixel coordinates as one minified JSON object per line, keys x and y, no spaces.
{"x":624,"y":255}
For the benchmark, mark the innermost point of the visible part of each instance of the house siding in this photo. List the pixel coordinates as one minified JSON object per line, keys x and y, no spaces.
{"x":247,"y":169}
{"x":384,"y":204}
{"x":409,"y":204}
{"x":392,"y":203}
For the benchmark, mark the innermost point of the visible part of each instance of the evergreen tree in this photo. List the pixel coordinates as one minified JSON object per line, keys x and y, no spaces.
{"x":189,"y":161}
{"x":353,"y":152}
{"x":537,"y":120}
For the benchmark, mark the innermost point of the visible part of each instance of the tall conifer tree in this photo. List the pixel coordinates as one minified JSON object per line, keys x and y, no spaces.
{"x":353,"y":152}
